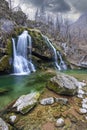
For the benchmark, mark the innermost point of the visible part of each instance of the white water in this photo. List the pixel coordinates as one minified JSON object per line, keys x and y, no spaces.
{"x":62,"y":63}
{"x":57,"y":55}
{"x":21,"y":64}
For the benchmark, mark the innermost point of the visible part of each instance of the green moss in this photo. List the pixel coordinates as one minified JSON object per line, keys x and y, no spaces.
{"x":4,"y":63}
{"x":3,"y":90}
{"x":27,"y":108}
{"x":60,"y":90}
{"x":9,"y":47}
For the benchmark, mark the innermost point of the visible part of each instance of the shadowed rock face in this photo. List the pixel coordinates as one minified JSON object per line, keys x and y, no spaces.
{"x":64,"y":84}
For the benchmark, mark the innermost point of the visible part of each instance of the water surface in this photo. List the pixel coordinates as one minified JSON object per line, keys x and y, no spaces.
{"x":20,"y":85}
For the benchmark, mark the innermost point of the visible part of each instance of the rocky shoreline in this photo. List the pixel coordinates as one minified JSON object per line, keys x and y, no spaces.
{"x":51,"y":111}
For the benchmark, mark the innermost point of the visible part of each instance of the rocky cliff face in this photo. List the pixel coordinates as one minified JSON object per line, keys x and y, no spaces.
{"x":77,"y":48}
{"x":8,"y":21}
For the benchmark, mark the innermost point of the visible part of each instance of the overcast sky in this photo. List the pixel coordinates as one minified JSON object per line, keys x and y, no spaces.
{"x":70,"y":8}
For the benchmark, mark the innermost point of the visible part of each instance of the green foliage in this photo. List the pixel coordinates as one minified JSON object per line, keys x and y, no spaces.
{"x":38,"y":81}
{"x":9,"y":47}
{"x":4,"y":63}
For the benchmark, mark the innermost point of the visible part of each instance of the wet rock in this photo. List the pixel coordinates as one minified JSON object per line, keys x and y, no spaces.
{"x":26,"y":102}
{"x":61,"y":100}
{"x":3,"y":125}
{"x":60,"y":122}
{"x":64,"y":84}
{"x":47,"y":101}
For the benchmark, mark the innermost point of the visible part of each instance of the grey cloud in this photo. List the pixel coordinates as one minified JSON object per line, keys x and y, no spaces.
{"x":50,"y":5}
{"x":36,"y":3}
{"x":79,"y":5}
{"x":61,"y":6}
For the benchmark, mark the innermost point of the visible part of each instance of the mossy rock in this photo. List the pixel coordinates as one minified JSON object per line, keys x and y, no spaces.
{"x":27,"y":108}
{"x":38,"y":43}
{"x":9,"y":47}
{"x":4,"y":63}
{"x":63,"y":84}
{"x":57,"y":89}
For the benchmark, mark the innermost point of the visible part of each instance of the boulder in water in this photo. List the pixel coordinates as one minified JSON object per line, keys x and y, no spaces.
{"x":26,"y":102}
{"x":64,"y":84}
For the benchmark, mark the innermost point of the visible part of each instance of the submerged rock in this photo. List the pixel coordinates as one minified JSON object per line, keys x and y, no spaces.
{"x":26,"y":102}
{"x":64,"y":84}
{"x":3,"y":90}
{"x":47,"y":101}
{"x":3,"y":125}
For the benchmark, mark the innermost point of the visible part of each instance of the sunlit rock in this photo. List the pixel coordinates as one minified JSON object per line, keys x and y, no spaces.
{"x":47,"y":101}
{"x":60,"y":122}
{"x":3,"y":125}
{"x":64,"y":84}
{"x":26,"y":102}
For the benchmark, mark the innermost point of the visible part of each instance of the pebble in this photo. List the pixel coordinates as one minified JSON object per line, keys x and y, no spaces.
{"x":84,"y":105}
{"x":13,"y":118}
{"x":80,"y":96}
{"x":86,"y":117}
{"x":47,"y":101}
{"x":81,"y":91}
{"x":60,"y":122}
{"x":83,"y":111}
{"x":61,"y":100}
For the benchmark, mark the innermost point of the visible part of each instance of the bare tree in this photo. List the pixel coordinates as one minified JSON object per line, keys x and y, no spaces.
{"x":37,"y":15}
{"x":11,"y":4}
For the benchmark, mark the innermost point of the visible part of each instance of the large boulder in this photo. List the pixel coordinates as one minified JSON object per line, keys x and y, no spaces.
{"x":26,"y":102}
{"x":3,"y":125}
{"x":64,"y":84}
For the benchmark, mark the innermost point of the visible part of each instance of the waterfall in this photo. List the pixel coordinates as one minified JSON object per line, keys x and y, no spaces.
{"x":21,"y":64}
{"x":62,"y":63}
{"x":57,"y":55}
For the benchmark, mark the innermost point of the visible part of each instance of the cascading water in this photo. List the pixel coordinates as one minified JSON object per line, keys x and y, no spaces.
{"x":57,"y":55}
{"x":21,"y":64}
{"x":62,"y":64}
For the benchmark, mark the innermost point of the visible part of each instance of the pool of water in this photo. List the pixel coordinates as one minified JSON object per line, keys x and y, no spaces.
{"x":20,"y":85}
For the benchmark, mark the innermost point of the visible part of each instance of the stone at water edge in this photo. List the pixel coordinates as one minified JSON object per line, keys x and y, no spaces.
{"x":26,"y":102}
{"x":3,"y":125}
{"x":64,"y":84}
{"x":47,"y":101}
